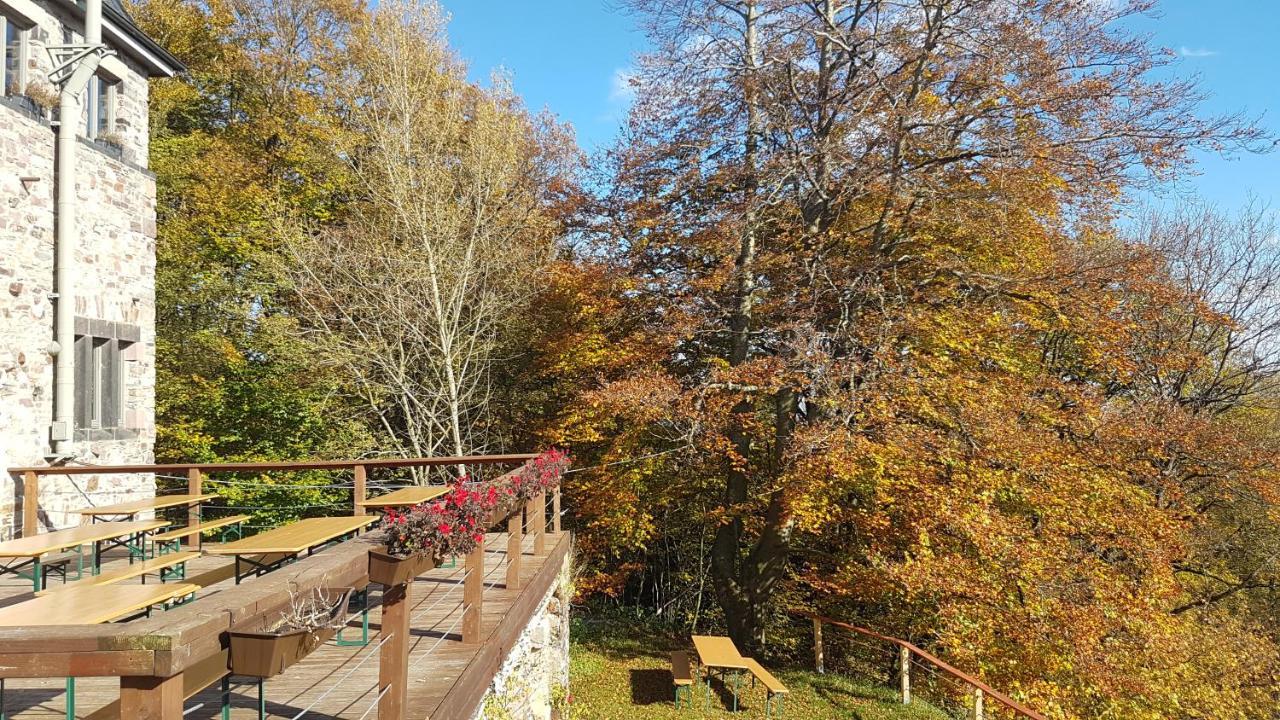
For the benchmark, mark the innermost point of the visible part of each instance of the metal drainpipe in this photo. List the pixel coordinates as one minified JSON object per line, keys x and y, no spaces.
{"x":66,"y":235}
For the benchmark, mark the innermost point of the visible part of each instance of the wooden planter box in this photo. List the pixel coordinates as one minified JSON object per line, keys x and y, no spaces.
{"x":265,"y":654}
{"x":391,"y":570}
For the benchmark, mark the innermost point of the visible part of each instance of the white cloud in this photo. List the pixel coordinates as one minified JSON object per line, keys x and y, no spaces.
{"x":1199,"y":52}
{"x":621,"y":92}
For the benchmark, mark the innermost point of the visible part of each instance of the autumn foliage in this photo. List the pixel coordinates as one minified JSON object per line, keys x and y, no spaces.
{"x":857,"y":316}
{"x":866,"y":338}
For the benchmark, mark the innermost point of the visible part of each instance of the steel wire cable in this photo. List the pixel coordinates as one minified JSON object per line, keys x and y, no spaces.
{"x":445,"y":635}
{"x":376,"y":700}
{"x":368,"y":653}
{"x":442,"y":598}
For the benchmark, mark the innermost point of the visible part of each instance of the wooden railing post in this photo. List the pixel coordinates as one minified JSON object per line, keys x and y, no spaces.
{"x":817,"y":646}
{"x":539,"y":520}
{"x":195,"y":483}
{"x":359,"y":493}
{"x":977,"y":704}
{"x":473,"y":595}
{"x":151,"y":698}
{"x":515,"y":543}
{"x":30,"y":504}
{"x":393,"y":658}
{"x":904,"y":669}
{"x":555,"y":510}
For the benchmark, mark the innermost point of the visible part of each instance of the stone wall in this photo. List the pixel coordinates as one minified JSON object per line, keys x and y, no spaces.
{"x":115,"y":281}
{"x":538,"y":664}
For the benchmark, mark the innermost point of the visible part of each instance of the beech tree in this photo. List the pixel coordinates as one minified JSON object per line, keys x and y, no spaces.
{"x":872,"y":309}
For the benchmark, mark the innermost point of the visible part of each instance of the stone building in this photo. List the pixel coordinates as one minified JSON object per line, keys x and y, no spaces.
{"x":110,"y":260}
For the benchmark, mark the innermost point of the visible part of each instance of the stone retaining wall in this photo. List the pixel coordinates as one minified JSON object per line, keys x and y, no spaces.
{"x":538,"y":664}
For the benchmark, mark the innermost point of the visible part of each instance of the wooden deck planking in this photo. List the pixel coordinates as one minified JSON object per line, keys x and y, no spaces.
{"x":437,"y":656}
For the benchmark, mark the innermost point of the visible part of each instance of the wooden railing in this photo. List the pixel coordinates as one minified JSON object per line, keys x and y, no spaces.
{"x":196,"y":472}
{"x":980,"y":691}
{"x":151,"y":656}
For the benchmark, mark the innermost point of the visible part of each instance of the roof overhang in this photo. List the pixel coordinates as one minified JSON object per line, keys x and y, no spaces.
{"x":119,"y":31}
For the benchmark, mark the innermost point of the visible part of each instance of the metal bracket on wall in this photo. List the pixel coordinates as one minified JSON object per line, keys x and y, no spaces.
{"x":66,"y":57}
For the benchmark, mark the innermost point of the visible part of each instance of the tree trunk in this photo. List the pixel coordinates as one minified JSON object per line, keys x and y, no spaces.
{"x":744,"y":583}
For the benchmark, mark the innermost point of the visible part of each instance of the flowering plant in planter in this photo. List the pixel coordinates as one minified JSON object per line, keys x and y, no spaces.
{"x":538,"y":475}
{"x":456,"y":523}
{"x":451,"y":526}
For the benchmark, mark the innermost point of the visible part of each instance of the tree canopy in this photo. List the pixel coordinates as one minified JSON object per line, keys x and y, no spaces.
{"x":856,"y":316}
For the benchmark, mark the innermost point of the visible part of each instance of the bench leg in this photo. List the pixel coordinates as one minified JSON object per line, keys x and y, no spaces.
{"x":364,"y":623}
{"x":177,"y":572}
{"x":226,"y":697}
{"x":71,"y":698}
{"x":262,"y":701}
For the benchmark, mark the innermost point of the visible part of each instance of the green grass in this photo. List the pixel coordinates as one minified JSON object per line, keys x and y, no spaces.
{"x":620,"y":671}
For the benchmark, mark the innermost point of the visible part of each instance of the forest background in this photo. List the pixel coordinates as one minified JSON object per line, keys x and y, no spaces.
{"x":847,"y":319}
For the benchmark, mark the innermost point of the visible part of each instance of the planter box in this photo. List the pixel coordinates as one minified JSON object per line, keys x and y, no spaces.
{"x":265,"y":654}
{"x":391,"y":570}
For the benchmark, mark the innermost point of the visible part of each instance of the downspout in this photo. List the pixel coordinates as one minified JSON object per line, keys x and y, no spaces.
{"x":66,"y":231}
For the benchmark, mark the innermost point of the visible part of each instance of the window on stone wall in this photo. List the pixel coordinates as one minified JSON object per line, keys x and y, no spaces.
{"x":100,"y":118}
{"x":102,"y":353}
{"x":13,"y":73}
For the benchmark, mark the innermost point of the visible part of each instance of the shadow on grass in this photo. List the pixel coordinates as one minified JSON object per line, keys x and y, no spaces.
{"x":862,"y":701}
{"x":836,"y":692}
{"x":722,"y":686}
{"x":650,"y":687}
{"x":628,"y":641}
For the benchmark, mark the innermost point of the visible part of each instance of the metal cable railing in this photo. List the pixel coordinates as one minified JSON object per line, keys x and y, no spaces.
{"x":368,"y":651}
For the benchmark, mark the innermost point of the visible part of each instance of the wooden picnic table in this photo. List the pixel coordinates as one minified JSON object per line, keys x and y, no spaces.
{"x":132,"y":508}
{"x":29,"y":550}
{"x":406,"y":497}
{"x":269,"y":550}
{"x":719,"y":653}
{"x":90,"y":605}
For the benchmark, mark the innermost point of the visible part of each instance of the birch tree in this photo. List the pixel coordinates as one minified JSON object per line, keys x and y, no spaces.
{"x":412,"y":294}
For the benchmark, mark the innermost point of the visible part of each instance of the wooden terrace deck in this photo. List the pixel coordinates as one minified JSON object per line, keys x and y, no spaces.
{"x":447,"y":677}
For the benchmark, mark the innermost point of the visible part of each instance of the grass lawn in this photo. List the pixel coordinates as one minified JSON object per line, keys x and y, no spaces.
{"x":619,"y":671}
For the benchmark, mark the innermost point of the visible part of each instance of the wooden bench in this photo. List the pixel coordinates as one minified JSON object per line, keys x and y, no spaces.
{"x":682,"y":677}
{"x":772,"y":685}
{"x":60,"y":564}
{"x":157,"y":565}
{"x":172,"y":541}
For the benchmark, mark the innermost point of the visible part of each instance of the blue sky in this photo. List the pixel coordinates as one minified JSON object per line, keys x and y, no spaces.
{"x":572,"y":55}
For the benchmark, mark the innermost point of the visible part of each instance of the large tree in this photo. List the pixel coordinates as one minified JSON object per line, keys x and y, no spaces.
{"x":243,"y":134}
{"x":873,"y":305}
{"x":449,"y":225}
